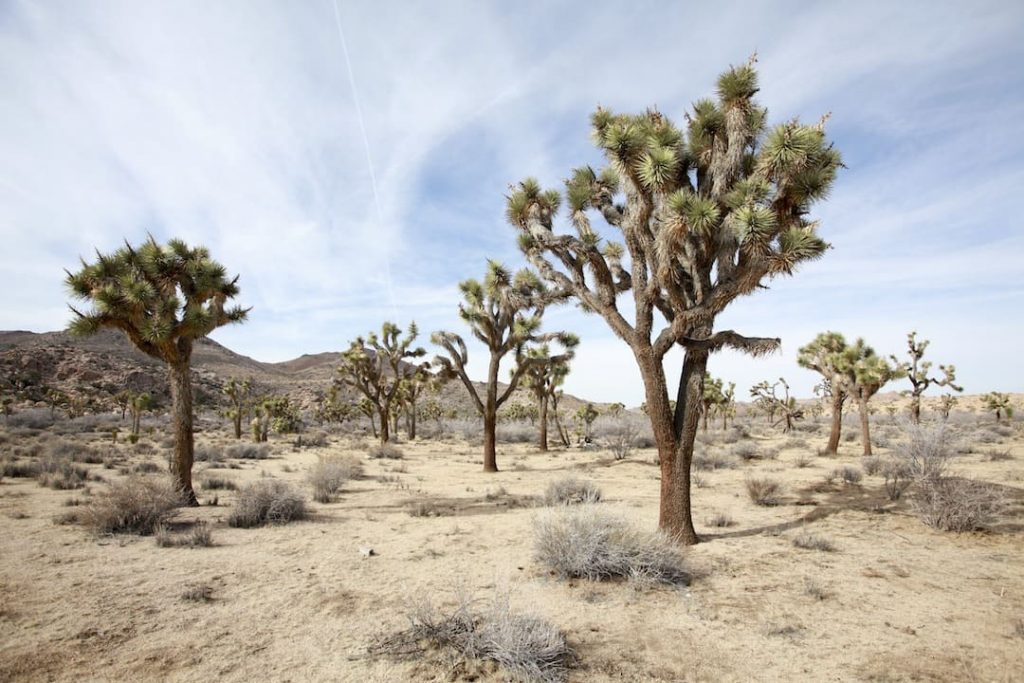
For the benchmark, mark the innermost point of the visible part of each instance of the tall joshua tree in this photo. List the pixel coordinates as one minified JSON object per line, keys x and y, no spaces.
{"x":164,"y":297}
{"x":865,"y":373}
{"x":824,"y":355}
{"x":376,"y":367}
{"x":707,"y":215}
{"x":503,"y":312}
{"x":542,"y":376}
{"x":917,"y":370}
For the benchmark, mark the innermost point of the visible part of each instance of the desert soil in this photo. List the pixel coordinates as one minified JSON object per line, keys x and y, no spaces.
{"x":896,"y":600}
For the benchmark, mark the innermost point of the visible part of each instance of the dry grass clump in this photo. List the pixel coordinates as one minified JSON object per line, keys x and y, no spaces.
{"x":268,"y":501}
{"x":584,"y":542}
{"x":330,"y":473}
{"x":248,"y":451}
{"x":897,"y":478}
{"x":808,"y":541}
{"x":846,"y":474}
{"x":997,"y":456}
{"x":198,"y":592}
{"x":213,"y":483}
{"x":571,"y":491}
{"x":526,"y":647}
{"x":60,"y":473}
{"x":956,"y":504}
{"x":387,"y":451}
{"x":721,"y":520}
{"x":136,"y":505}
{"x":712,"y":461}
{"x":764,"y":490}
{"x":199,"y":536}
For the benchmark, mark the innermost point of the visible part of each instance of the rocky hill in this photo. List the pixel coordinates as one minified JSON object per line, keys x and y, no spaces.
{"x":95,"y":368}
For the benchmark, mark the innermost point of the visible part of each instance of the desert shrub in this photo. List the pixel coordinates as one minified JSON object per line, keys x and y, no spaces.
{"x":330,"y":473}
{"x":927,"y":450}
{"x":75,"y":451}
{"x":803,"y":460}
{"x":268,"y":501}
{"x":526,"y":647}
{"x":315,"y":440}
{"x":996,"y":456}
{"x":847,"y":474}
{"x":146,"y":467}
{"x":706,"y":460}
{"x":248,"y":451}
{"x":746,"y":451}
{"x":60,"y":473}
{"x":956,"y":504}
{"x":849,"y":436}
{"x":16,"y":469}
{"x":621,"y":438}
{"x":584,"y":542}
{"x":199,"y":536}
{"x":211,"y":483}
{"x":763,"y":490}
{"x":872,"y":465}
{"x":33,"y":418}
{"x":808,"y":541}
{"x":515,"y":432}
{"x":720,"y":519}
{"x":898,"y":477}
{"x":570,"y":491}
{"x":205,"y":453}
{"x":136,"y":505}
{"x":387,"y":451}
{"x":795,"y":443}
{"x":198,"y":592}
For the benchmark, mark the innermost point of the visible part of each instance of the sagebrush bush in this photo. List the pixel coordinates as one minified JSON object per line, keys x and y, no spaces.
{"x":570,"y":491}
{"x":204,"y":453}
{"x":747,"y":451}
{"x":809,"y":541}
{"x":248,"y":451}
{"x":136,"y":505}
{"x":763,"y":490}
{"x":527,"y":648}
{"x":211,"y":483}
{"x":584,"y":542}
{"x":706,"y":460}
{"x":847,"y":474}
{"x":387,"y":451}
{"x":872,"y":465}
{"x":58,"y":472}
{"x":268,"y":501}
{"x":956,"y":504}
{"x":898,"y":477}
{"x":330,"y":473}
{"x":199,"y":536}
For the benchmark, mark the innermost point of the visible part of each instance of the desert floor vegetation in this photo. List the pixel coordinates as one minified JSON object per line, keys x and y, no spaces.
{"x":879,"y":580}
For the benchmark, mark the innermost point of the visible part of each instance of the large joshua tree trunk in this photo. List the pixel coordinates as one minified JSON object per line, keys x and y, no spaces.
{"x":543,"y":440}
{"x":865,"y":428}
{"x":491,"y":417}
{"x":915,"y":408}
{"x":410,"y":424}
{"x":384,"y":434}
{"x":181,"y":417}
{"x":837,"y":422}
{"x":237,"y":419}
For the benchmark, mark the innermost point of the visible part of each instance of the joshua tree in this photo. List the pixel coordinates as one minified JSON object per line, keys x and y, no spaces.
{"x":164,"y":297}
{"x":412,"y":387}
{"x":717,"y":399}
{"x":122,"y":400}
{"x":727,"y":406}
{"x":865,"y":373}
{"x":377,"y":366}
{"x":946,"y":404}
{"x":706,"y":216}
{"x":541,"y":375}
{"x":503,"y":312}
{"x":917,"y":370}
{"x":240,"y":396}
{"x":585,"y":416}
{"x":139,"y":404}
{"x":824,"y":355}
{"x":762,"y":394}
{"x":369,"y":409}
{"x":1000,"y":404}
{"x":785,"y":405}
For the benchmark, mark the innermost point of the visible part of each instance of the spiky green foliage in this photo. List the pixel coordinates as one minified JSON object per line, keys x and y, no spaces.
{"x":916,"y":370}
{"x":163,"y":297}
{"x":504,"y":313}
{"x":544,"y":374}
{"x":240,"y":397}
{"x":377,"y":366}
{"x":999,"y":404}
{"x":707,"y":213}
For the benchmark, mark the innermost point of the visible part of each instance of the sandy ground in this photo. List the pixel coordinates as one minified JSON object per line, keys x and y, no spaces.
{"x":895,"y":601}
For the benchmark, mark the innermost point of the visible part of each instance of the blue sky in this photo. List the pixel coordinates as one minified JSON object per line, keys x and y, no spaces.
{"x":234,"y":124}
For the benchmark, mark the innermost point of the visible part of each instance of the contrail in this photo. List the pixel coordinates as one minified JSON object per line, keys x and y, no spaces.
{"x":369,"y":157}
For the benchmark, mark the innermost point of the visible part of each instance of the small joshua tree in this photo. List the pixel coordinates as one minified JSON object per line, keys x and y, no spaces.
{"x":785,"y":405}
{"x":544,"y":372}
{"x":706,"y":216}
{"x":865,"y":373}
{"x":140,"y":403}
{"x":240,"y":398}
{"x":376,"y":367}
{"x":916,"y":370}
{"x":762,"y":394}
{"x":585,"y":416}
{"x":824,"y":356}
{"x":164,"y":298}
{"x":503,"y":312}
{"x":999,"y":404}
{"x":717,"y":399}
{"x":946,"y":404}
{"x":413,"y":386}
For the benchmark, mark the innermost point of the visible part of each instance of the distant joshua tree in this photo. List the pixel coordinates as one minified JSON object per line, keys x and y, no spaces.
{"x":543,"y":374}
{"x":866,"y":373}
{"x":240,"y":397}
{"x":706,"y":215}
{"x":503,"y":312}
{"x":717,"y":399}
{"x":164,"y":298}
{"x":824,"y":355}
{"x":917,"y":370}
{"x":786,"y":406}
{"x":946,"y":404}
{"x":999,"y":404}
{"x":376,"y":367}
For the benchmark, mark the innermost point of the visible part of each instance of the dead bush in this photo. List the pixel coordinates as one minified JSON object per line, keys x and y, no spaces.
{"x":897,"y":478}
{"x":584,"y":542}
{"x":268,"y":501}
{"x":571,"y":491}
{"x":526,"y":647}
{"x":387,"y":451}
{"x":763,"y":491}
{"x":927,"y":450}
{"x":137,"y":505}
{"x":330,"y":473}
{"x":956,"y":504}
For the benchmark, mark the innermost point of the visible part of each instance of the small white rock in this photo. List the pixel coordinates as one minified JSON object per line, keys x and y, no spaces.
{"x":367,"y":552}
